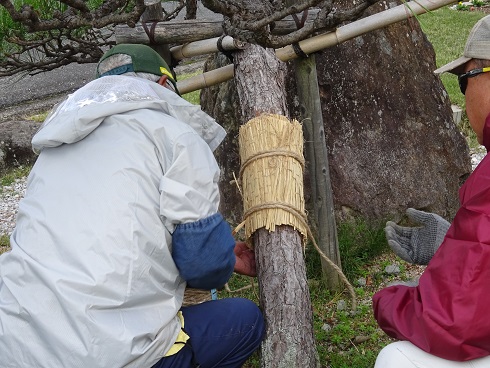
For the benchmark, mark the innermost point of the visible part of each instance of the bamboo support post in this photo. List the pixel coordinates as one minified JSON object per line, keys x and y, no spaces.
{"x":341,"y":34}
{"x":317,"y":156}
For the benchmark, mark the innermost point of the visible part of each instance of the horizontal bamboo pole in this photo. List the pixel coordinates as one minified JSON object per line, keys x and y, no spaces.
{"x":362,"y":26}
{"x":323,"y":41}
{"x":207,"y":79}
{"x":205,"y":47}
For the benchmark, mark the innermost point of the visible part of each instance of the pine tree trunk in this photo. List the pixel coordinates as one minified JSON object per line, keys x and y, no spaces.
{"x":283,"y":287}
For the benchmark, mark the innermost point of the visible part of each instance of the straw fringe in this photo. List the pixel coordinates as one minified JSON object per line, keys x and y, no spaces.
{"x":271,"y":150}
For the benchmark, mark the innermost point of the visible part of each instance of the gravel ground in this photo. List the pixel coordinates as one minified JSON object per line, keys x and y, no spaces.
{"x":9,"y":202}
{"x":477,"y":155}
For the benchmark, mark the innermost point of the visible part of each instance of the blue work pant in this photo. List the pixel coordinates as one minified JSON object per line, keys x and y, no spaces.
{"x":223,"y":333}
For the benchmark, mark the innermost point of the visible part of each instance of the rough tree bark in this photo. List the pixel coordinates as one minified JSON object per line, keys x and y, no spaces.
{"x":283,"y":288}
{"x":191,"y":9}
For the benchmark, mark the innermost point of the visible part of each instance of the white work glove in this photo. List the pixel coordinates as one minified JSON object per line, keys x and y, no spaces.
{"x":417,"y":244}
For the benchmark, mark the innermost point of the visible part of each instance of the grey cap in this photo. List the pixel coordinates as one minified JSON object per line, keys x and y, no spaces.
{"x":477,"y":47}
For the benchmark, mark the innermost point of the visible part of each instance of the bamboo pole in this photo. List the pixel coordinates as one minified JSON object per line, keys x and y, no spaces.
{"x":323,"y":41}
{"x":207,"y":79}
{"x":362,"y":26}
{"x":205,"y":47}
{"x":319,"y":173}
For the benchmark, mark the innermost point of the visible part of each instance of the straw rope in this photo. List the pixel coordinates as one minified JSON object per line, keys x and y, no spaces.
{"x":273,"y":205}
{"x":302,"y":218}
{"x":259,"y":200}
{"x":195,"y":296}
{"x":271,"y":153}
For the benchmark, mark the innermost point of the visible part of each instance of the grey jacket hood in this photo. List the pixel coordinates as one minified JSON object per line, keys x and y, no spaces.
{"x":84,"y":110}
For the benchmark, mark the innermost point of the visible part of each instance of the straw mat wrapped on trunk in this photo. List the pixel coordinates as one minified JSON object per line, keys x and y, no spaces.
{"x":271,"y":150}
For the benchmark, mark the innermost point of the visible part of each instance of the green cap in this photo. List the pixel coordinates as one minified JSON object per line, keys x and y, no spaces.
{"x":144,"y":59}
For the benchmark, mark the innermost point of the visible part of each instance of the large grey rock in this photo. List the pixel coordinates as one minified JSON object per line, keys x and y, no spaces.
{"x":389,"y":126}
{"x":391,"y":140}
{"x":15,"y":143}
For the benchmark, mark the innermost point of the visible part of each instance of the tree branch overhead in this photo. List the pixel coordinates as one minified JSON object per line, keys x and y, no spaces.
{"x":72,"y":31}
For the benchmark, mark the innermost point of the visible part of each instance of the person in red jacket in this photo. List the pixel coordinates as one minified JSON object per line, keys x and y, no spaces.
{"x":444,"y":320}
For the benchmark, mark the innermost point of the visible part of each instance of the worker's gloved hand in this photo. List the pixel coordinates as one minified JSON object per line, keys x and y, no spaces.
{"x":417,"y":244}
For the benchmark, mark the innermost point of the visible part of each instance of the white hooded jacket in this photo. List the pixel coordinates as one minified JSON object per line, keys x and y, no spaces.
{"x":90,"y":280}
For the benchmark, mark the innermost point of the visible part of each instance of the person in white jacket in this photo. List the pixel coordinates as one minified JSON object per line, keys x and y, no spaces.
{"x":120,"y":214}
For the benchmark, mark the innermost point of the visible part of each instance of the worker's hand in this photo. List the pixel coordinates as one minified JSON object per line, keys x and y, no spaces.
{"x":417,"y":244}
{"x":245,"y":260}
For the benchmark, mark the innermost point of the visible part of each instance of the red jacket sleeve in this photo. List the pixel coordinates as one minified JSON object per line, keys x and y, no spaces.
{"x":448,"y":313}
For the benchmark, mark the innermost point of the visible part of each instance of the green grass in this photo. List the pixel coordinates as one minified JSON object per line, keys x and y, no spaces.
{"x":194,"y":96}
{"x":4,"y":243}
{"x":9,"y":177}
{"x":343,"y":340}
{"x":39,"y":117}
{"x":359,"y":243}
{"x":352,"y":340}
{"x":448,"y":30}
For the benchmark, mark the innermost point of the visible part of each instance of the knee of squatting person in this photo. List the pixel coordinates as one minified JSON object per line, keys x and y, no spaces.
{"x":404,"y":354}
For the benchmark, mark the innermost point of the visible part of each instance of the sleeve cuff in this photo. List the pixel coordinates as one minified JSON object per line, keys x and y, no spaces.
{"x":203,"y":252}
